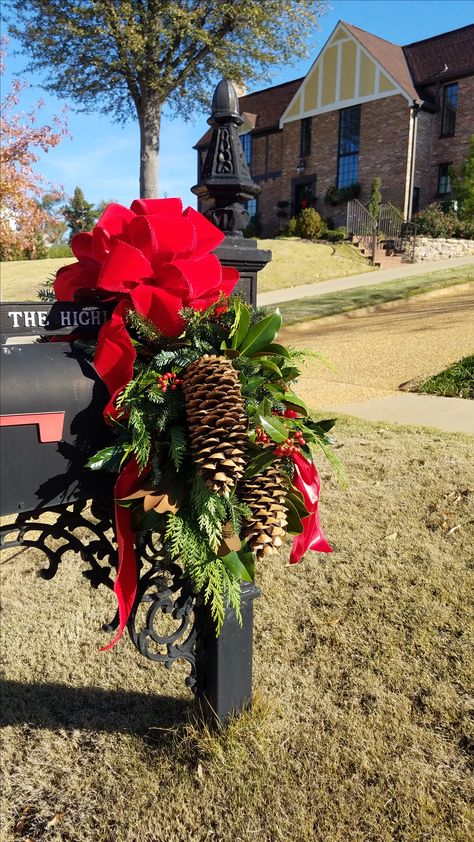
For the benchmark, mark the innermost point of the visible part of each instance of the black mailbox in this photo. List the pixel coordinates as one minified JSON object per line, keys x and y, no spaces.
{"x":51,"y":423}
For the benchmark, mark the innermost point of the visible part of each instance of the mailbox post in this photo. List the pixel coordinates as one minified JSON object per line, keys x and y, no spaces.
{"x":51,"y":420}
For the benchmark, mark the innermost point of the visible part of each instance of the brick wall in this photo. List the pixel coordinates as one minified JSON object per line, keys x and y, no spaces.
{"x":384,"y":133}
{"x":454,"y":149}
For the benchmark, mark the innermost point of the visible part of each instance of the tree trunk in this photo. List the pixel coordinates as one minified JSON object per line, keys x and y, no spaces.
{"x":149,"y":122}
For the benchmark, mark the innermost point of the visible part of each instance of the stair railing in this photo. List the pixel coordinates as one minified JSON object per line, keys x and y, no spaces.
{"x":363,"y":226}
{"x":392,"y":227}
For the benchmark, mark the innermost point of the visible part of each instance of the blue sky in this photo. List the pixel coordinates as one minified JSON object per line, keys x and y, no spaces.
{"x":102,"y":157}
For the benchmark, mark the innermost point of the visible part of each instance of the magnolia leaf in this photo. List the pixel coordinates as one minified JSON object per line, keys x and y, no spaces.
{"x":294,"y":525}
{"x":261,"y":334}
{"x":269,"y":365}
{"x":107,"y":459}
{"x":241,"y":325}
{"x":236,"y":566}
{"x":273,"y":427}
{"x":274,"y":349}
{"x":143,"y":521}
{"x":296,"y":498}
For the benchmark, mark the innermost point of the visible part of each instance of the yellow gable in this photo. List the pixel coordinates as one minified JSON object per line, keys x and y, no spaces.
{"x":344,"y":74}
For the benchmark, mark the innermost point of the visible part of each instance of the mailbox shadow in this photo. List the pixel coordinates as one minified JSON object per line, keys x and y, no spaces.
{"x":93,"y":709}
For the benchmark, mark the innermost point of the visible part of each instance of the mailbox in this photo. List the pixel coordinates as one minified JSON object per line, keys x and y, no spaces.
{"x":51,"y":422}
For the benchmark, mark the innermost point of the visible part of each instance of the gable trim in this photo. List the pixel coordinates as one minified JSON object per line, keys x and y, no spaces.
{"x":338,"y":104}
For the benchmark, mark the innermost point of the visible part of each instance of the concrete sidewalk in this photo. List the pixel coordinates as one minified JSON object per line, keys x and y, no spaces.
{"x":453,"y":415}
{"x":405,"y":270}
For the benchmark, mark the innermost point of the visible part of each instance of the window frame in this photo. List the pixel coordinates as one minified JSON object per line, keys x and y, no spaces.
{"x":352,"y":157}
{"x":246,"y":141}
{"x":445,"y":193}
{"x":444,"y":110}
{"x":306,"y":130}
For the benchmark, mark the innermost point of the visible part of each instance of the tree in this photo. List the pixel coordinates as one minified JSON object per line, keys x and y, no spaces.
{"x":375,"y":198}
{"x":79,"y":214}
{"x":126,"y":57}
{"x":23,"y":217}
{"x":463,"y":186}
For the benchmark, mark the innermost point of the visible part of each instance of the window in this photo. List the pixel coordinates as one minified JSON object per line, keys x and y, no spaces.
{"x":450,"y":104}
{"x":246,"y":141}
{"x":444,"y":181}
{"x":251,"y":208}
{"x":305,"y":137}
{"x":348,"y":151}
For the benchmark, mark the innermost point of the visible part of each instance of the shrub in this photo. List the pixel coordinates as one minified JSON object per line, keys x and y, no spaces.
{"x":336,"y":235}
{"x":433,"y":222}
{"x":60,"y":250}
{"x":375,"y":198}
{"x":254,"y":228}
{"x":310,"y":224}
{"x":291,"y":227}
{"x":338,"y":195}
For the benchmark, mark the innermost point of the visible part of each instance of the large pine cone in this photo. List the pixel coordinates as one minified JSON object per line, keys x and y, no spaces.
{"x":265,"y":495}
{"x":217,"y":421}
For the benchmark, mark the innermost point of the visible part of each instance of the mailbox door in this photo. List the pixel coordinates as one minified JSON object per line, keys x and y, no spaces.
{"x":51,"y":422}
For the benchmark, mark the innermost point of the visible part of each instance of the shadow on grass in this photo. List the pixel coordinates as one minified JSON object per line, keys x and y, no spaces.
{"x":56,"y":706}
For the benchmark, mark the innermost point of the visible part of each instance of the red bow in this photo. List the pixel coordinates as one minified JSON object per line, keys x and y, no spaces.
{"x":306,"y":480}
{"x":156,"y":259}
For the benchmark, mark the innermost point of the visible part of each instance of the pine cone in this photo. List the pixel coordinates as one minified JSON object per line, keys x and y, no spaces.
{"x":265,"y":495}
{"x":217,"y":421}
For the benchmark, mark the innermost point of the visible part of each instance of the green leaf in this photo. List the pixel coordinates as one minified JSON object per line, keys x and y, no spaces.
{"x":264,"y":407}
{"x":269,"y":365}
{"x":294,"y":525}
{"x":289,"y":398}
{"x":106,"y":459}
{"x":261,"y":334}
{"x":236,"y":566}
{"x":273,"y":427}
{"x":143,"y":521}
{"x":290,"y":373}
{"x":296,"y":499}
{"x":241,"y":324}
{"x":274,"y":349}
{"x":258,"y":464}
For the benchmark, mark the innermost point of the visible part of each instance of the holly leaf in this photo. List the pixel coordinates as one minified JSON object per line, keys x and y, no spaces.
{"x":290,"y":373}
{"x":269,"y":365}
{"x":273,"y":427}
{"x":144,"y":521}
{"x":258,"y":464}
{"x":261,"y":334}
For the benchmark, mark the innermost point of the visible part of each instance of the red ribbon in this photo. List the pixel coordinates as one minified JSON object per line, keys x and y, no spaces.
{"x":306,"y":480}
{"x":156,"y":259}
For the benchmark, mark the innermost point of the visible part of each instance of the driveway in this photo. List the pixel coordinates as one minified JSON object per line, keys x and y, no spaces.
{"x":376,"y":349}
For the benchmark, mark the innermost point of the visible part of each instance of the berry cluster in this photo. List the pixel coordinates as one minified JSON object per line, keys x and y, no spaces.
{"x":168,"y":380}
{"x":288,"y":413}
{"x":262,"y":437}
{"x":290,"y":445}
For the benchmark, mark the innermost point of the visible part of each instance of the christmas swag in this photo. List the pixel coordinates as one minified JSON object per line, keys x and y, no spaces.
{"x":213,"y":447}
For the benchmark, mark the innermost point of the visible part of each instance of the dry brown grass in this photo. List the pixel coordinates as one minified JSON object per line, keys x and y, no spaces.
{"x":360,"y":732}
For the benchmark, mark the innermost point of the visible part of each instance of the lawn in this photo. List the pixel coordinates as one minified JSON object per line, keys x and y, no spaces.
{"x":456,"y":381}
{"x":294,"y":262}
{"x":360,"y":731}
{"x":329,"y":304}
{"x":297,"y":261}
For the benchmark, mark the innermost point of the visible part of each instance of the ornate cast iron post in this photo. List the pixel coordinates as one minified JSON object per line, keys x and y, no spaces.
{"x":224,"y":188}
{"x":224,"y":664}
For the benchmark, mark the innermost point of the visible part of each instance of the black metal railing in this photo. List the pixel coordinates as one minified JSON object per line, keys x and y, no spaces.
{"x":400,"y":234}
{"x":362,"y":226}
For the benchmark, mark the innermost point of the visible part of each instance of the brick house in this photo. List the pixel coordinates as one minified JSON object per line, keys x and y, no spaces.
{"x":366,"y":107}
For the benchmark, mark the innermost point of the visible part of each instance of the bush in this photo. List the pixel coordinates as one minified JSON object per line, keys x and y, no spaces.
{"x":60,"y":250}
{"x":254,"y":228}
{"x":291,"y":228}
{"x":433,"y":222}
{"x":337,"y":196}
{"x":309,"y":224}
{"x":336,"y":235}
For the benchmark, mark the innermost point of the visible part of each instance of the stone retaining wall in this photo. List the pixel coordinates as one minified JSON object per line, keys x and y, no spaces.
{"x":441,"y":248}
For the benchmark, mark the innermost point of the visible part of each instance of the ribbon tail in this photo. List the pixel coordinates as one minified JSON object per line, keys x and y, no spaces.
{"x":125,"y":587}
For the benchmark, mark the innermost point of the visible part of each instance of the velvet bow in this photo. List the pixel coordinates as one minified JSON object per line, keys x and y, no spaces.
{"x":306,"y":480}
